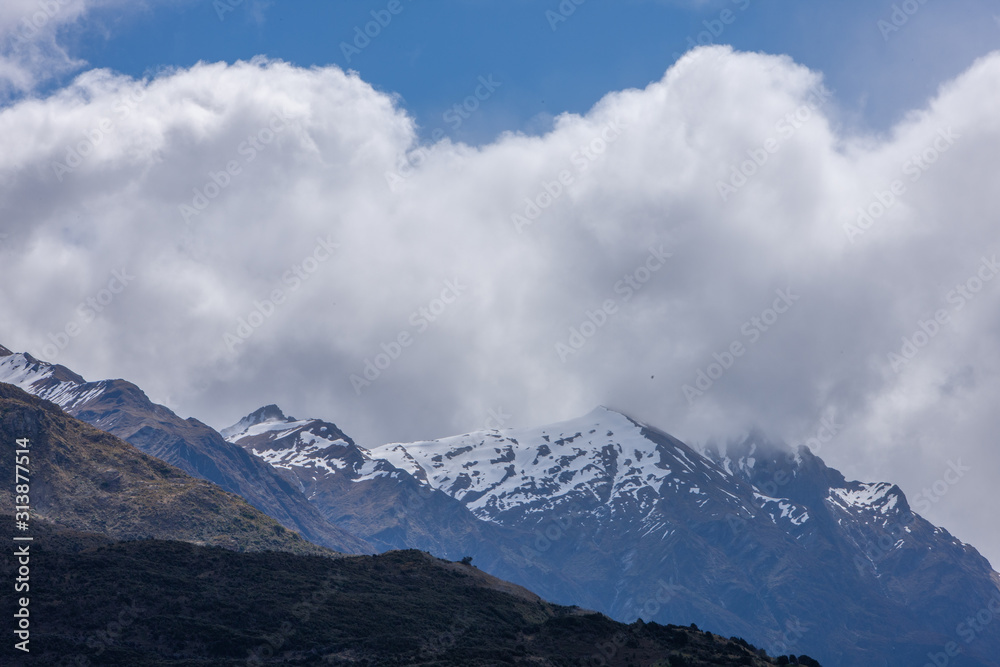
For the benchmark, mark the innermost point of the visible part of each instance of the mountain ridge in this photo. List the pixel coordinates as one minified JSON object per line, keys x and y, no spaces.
{"x":605,"y":499}
{"x":85,"y":479}
{"x":123,"y":409}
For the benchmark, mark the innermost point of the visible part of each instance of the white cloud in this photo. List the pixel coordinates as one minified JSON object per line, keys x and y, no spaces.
{"x":33,"y":36}
{"x":323,"y":175}
{"x":29,"y":50}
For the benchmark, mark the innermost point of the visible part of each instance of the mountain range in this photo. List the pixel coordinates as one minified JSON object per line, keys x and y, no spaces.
{"x":126,"y":560}
{"x":750,"y":539}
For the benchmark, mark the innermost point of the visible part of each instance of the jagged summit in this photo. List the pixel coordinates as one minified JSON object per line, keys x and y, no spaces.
{"x":271,"y":412}
{"x":286,"y":442}
{"x":268,"y":414}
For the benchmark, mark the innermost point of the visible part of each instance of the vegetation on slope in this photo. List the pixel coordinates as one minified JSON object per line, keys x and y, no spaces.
{"x":88,"y":480}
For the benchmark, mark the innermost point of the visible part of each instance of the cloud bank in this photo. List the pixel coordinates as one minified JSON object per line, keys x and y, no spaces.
{"x":709,"y":253}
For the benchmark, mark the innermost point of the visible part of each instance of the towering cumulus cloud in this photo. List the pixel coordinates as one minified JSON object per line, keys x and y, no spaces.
{"x":710,"y":252}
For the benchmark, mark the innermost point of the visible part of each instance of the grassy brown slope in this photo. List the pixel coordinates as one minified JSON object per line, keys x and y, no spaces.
{"x":88,"y":480}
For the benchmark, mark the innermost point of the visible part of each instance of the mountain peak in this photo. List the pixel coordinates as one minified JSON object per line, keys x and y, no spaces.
{"x":4,"y":352}
{"x":604,"y":410}
{"x":268,"y":413}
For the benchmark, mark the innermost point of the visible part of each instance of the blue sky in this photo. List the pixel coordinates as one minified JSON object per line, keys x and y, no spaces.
{"x":433,"y":51}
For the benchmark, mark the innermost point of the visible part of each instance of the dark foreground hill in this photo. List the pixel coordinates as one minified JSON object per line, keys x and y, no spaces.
{"x":133,"y":604}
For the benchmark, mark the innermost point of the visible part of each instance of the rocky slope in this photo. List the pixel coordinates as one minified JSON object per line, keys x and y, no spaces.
{"x":84,"y":479}
{"x":121,"y":408}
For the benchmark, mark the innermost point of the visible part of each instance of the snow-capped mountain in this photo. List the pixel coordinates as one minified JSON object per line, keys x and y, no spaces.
{"x":603,"y":459}
{"x":386,"y":506}
{"x":292,"y":444}
{"x":761,"y":542}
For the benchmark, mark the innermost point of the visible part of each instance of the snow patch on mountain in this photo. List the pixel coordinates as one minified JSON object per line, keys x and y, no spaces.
{"x":866,"y":496}
{"x":48,"y":381}
{"x":603,"y":456}
{"x":20,"y":370}
{"x":296,"y":456}
{"x":782,"y":508}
